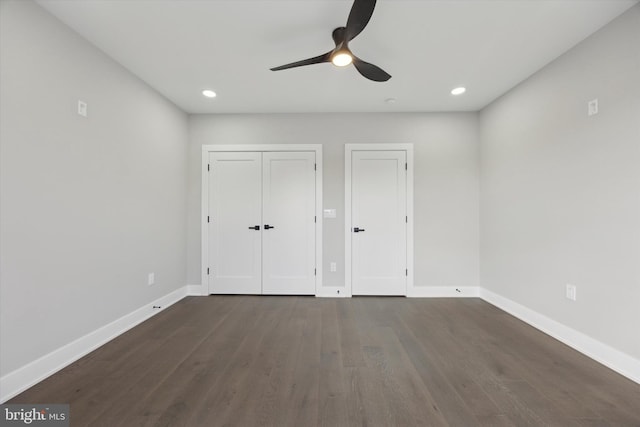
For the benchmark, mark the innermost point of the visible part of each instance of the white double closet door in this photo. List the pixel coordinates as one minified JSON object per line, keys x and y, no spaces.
{"x":261,"y":223}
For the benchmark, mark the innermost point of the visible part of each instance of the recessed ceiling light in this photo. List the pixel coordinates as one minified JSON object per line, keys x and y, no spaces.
{"x":390,"y":100}
{"x":209,"y":93}
{"x":458,"y":91}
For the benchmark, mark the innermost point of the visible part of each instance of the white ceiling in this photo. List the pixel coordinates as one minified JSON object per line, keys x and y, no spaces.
{"x":180,"y":47}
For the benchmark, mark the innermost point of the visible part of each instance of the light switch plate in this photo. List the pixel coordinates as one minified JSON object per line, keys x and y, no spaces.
{"x":329,"y":213}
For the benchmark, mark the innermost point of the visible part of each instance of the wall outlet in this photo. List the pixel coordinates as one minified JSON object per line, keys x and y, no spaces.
{"x":333,"y":267}
{"x":82,"y":108}
{"x":592,"y":107}
{"x":571,"y":292}
{"x":152,"y":279}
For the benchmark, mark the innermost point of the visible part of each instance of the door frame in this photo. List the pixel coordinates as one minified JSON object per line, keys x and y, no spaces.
{"x":204,"y":200}
{"x":348,"y":151}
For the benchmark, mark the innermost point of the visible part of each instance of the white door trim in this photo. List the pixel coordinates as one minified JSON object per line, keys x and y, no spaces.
{"x":348,"y":150}
{"x":204,"y":198}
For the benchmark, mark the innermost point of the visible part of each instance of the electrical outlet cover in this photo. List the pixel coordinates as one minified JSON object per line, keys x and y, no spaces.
{"x":82,"y":108}
{"x":593,"y":107}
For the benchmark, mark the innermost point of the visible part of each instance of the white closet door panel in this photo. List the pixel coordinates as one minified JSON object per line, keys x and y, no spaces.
{"x":379,"y":253}
{"x":235,"y":205}
{"x":288,"y":206}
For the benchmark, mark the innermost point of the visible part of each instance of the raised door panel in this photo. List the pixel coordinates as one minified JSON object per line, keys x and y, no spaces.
{"x":235,"y":194}
{"x":288,"y":207}
{"x":378,"y":232}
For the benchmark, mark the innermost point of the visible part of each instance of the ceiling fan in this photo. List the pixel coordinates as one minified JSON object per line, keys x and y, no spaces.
{"x":341,"y":55}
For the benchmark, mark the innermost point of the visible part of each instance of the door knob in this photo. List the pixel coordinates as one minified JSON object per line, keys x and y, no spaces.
{"x":267,"y":226}
{"x":358,"y":230}
{"x":255,"y":227}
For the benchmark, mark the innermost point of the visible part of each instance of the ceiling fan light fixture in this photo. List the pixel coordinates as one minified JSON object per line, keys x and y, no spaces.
{"x":341,"y":58}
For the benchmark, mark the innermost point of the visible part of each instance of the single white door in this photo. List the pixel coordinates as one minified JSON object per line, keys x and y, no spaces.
{"x":288,"y":237}
{"x":235,"y":222}
{"x":378,"y":223}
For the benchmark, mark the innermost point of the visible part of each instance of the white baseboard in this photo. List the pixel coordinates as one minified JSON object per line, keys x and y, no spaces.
{"x":415,"y":292}
{"x":443,"y":292}
{"x":614,"y":359}
{"x":332,"y":292}
{"x":22,"y":378}
{"x":196,"y":290}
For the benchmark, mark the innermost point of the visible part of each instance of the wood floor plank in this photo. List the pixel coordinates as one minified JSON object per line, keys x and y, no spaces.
{"x":566,"y":377}
{"x":449,"y":402}
{"x":496,"y":421}
{"x":332,"y":409}
{"x":593,"y":422}
{"x":164,"y":404}
{"x":364,"y":405}
{"x":217,"y":400}
{"x":300,"y":361}
{"x":277,"y":387}
{"x":144,"y":379}
{"x":515,"y":398}
{"x":452,"y":360}
{"x":351,"y":348}
{"x":408,"y":399}
{"x":484,"y":392}
{"x":303,"y":398}
{"x":247,"y":407}
{"x":498,"y":358}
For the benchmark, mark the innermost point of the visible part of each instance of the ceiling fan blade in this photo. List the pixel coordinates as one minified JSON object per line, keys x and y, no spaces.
{"x":359,"y":17}
{"x":316,"y":60}
{"x":370,"y":71}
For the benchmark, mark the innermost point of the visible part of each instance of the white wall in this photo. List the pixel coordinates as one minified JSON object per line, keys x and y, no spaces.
{"x":446,"y":181}
{"x":89,"y":206}
{"x":560,"y":191}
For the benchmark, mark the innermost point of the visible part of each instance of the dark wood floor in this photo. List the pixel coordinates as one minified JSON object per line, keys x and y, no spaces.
{"x":300,"y":361}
